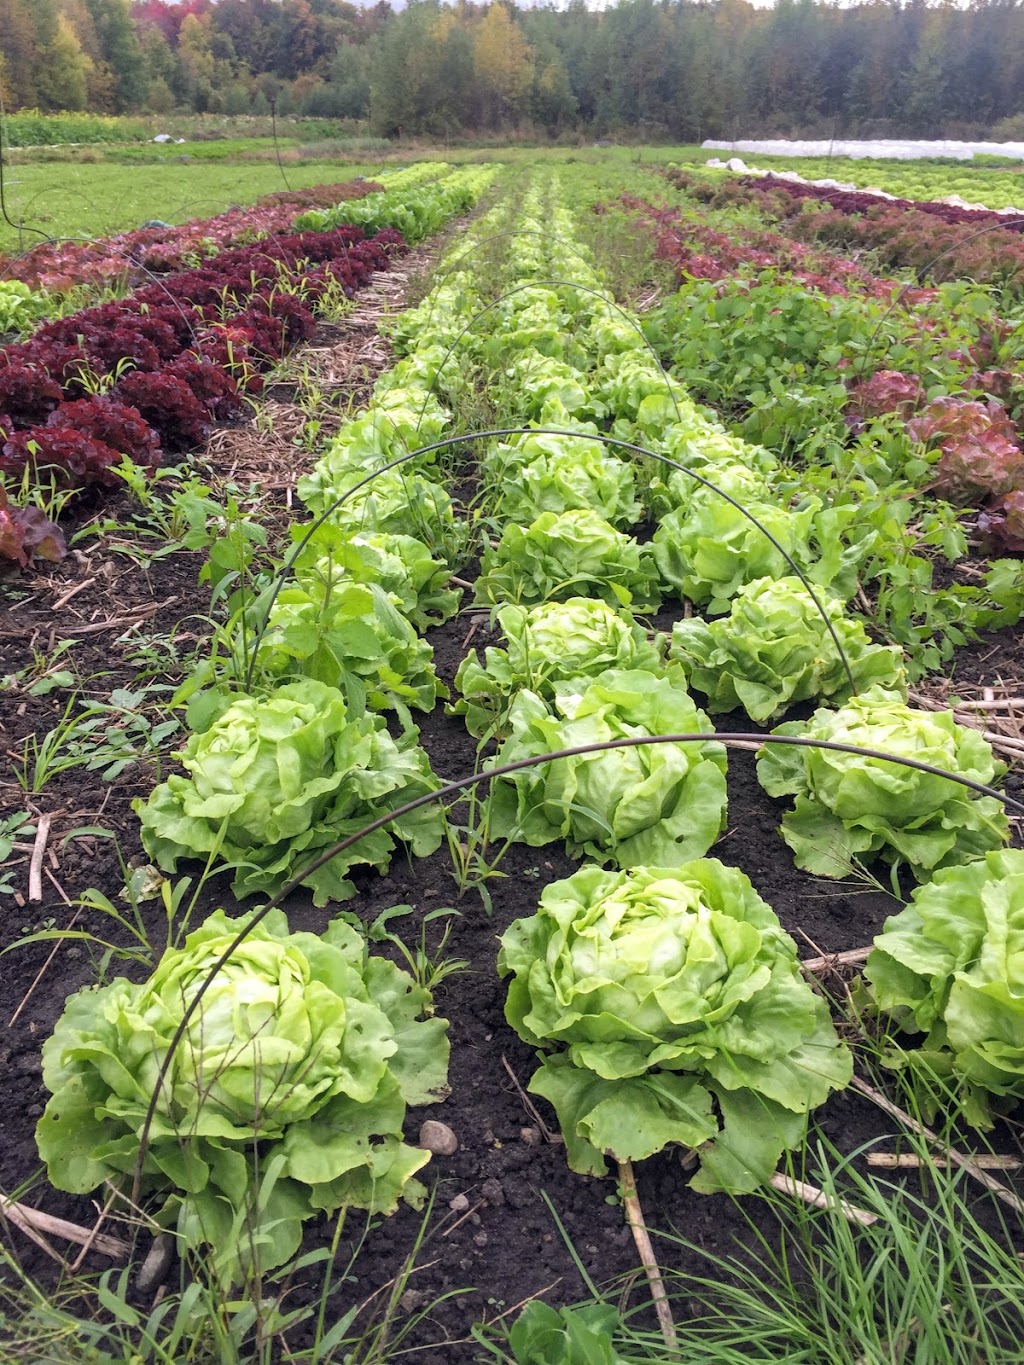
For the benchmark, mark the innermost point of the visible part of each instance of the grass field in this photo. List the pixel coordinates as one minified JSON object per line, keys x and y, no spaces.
{"x":93,"y":198}
{"x":67,"y":200}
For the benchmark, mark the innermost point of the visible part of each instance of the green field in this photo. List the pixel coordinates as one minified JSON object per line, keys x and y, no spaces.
{"x":68,"y":200}
{"x":98,"y":194}
{"x":95,"y":198}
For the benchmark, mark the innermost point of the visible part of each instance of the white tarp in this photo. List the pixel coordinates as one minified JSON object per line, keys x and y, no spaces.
{"x":882,"y":147}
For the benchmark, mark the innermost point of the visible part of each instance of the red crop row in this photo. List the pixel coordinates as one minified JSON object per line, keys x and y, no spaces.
{"x":938,"y":241}
{"x":153,"y":371}
{"x":700,"y":252}
{"x":63,"y":265}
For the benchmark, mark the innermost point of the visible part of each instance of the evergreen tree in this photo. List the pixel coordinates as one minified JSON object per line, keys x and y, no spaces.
{"x":121,"y":53}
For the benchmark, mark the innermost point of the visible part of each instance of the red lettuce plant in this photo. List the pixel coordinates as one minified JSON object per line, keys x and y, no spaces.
{"x":27,"y":534}
{"x":27,"y":395}
{"x":170,"y":407}
{"x":69,"y":457}
{"x":887,"y":391}
{"x":212,"y":385}
{"x":296,"y":318}
{"x":1003,"y":524}
{"x":981,"y":454}
{"x":112,"y":423}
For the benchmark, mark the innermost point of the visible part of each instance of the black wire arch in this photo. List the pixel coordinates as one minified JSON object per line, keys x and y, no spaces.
{"x":734,"y":739}
{"x":314,"y":526}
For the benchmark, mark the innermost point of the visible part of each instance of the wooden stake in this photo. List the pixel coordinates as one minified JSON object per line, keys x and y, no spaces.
{"x":34,"y":1222}
{"x":635,"y":1219}
{"x":818,"y":1199}
{"x":957,"y":1158}
{"x":35,"y":869}
{"x":853,"y":957}
{"x":985,"y":1161}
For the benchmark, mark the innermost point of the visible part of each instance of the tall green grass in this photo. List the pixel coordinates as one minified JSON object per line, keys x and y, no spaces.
{"x":935,"y":1280}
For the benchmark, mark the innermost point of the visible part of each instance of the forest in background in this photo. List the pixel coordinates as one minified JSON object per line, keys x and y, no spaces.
{"x":678,"y":70}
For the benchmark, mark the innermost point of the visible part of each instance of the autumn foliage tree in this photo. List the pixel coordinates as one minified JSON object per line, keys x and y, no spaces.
{"x":677,"y":70}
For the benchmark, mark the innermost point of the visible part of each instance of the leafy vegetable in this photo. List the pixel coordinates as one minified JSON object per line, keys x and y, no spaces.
{"x":556,"y":473}
{"x":539,"y":380}
{"x":351,"y":636}
{"x":563,"y":555}
{"x":774,"y":649}
{"x":848,"y":805}
{"x":949,"y":966}
{"x":980,"y":450}
{"x":708,"y":550}
{"x":658,"y":804}
{"x":303,"y":1044}
{"x":20,"y":307}
{"x":1004,"y":523}
{"x":669,"y":992}
{"x":275,"y":781}
{"x":414,"y":580}
{"x":26,"y":533}
{"x":398,"y":503}
{"x":580,"y":1335}
{"x":399,"y":420}
{"x":548,"y":644}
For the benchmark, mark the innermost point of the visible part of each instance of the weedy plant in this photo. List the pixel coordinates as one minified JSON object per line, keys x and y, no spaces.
{"x":13,"y":828}
{"x":428,"y":967}
{"x":99,"y":735}
{"x":43,"y":675}
{"x":927,"y":1274}
{"x":305,"y":1313}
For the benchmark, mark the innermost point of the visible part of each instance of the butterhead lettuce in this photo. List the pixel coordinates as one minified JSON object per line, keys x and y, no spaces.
{"x":286,"y":1095}
{"x":548,"y":644}
{"x":774,"y":649}
{"x":276,"y":780}
{"x":851,"y":806}
{"x":657,"y":804}
{"x":951,"y":967}
{"x":670,"y":1008}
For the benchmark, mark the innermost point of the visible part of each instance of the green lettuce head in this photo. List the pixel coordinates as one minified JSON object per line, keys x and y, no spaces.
{"x":352,"y":637}
{"x":549,"y":644}
{"x":398,"y":503}
{"x":951,"y":966}
{"x":415,"y":581}
{"x":849,"y":806}
{"x":671,"y":1009}
{"x":400,"y":420}
{"x":658,"y":804}
{"x":567,"y":554}
{"x":575,"y":473}
{"x":302,"y":1044}
{"x":774,"y":649}
{"x":708,"y":550}
{"x":275,"y":781}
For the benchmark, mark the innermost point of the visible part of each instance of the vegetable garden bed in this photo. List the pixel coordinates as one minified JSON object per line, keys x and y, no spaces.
{"x":508,"y":1220}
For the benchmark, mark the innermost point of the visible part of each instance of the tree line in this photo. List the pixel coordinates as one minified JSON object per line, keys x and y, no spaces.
{"x":654,"y":69}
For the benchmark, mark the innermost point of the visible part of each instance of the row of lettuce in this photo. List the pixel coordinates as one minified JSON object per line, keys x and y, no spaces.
{"x":287,"y":1096}
{"x":661,"y":989}
{"x":149,"y":374}
{"x":899,"y":398}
